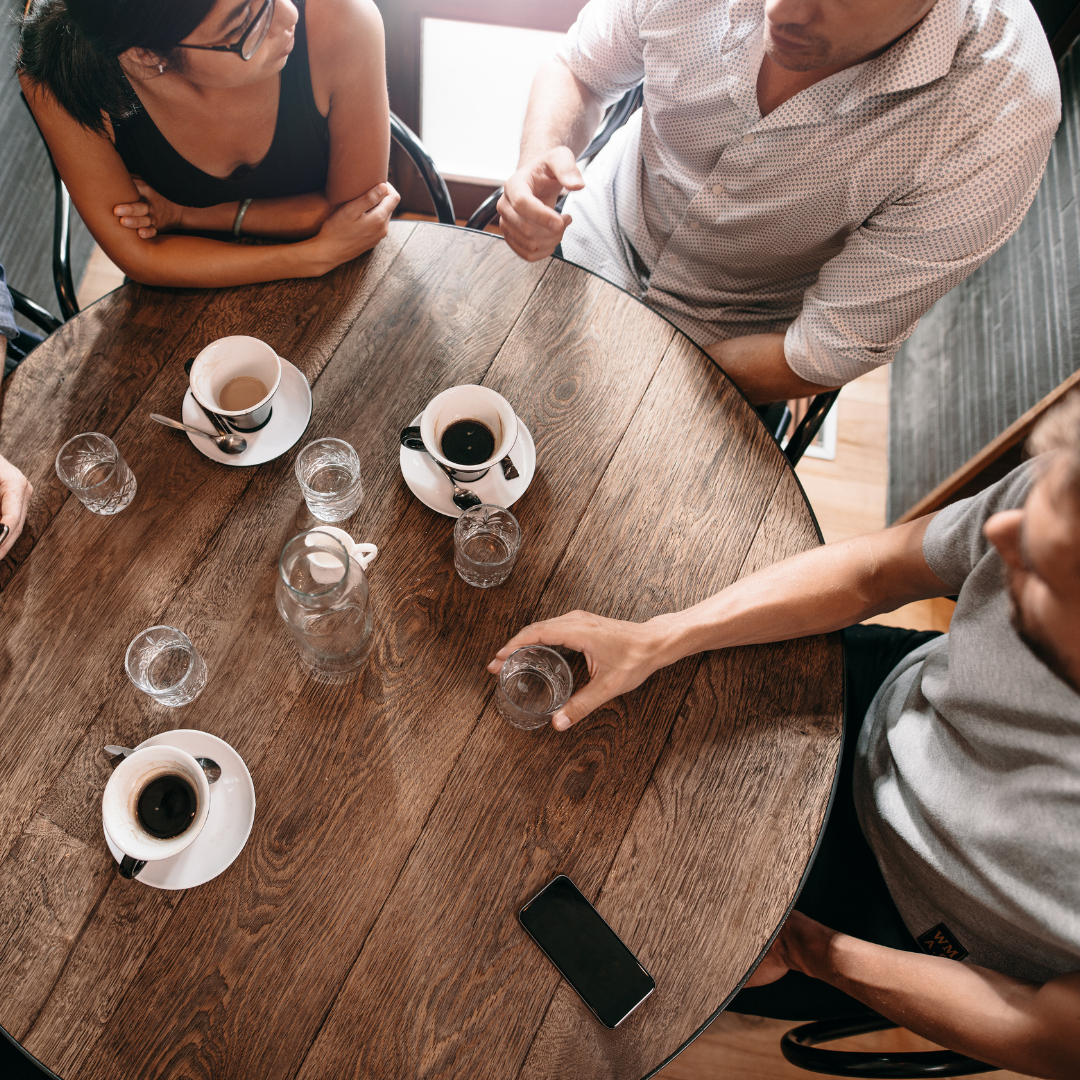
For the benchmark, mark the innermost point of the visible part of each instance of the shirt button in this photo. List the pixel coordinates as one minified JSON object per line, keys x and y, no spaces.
{"x":695,"y":225}
{"x":673,"y":259}
{"x":748,"y":137}
{"x":718,"y":189}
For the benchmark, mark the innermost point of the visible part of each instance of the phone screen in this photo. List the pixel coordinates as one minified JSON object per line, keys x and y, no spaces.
{"x":587,"y":952}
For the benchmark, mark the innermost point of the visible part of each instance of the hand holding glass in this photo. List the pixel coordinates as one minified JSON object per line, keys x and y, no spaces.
{"x":534,"y":684}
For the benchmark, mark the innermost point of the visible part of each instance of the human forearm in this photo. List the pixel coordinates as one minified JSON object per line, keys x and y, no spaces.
{"x":812,"y":593}
{"x":295,"y":217}
{"x":818,"y":591}
{"x":562,"y":111}
{"x":758,"y":367}
{"x":1003,"y":1021}
{"x":195,"y":262}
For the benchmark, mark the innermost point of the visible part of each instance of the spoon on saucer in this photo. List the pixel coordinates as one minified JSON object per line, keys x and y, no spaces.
{"x":209,"y":766}
{"x":463,"y":500}
{"x":227,"y":444}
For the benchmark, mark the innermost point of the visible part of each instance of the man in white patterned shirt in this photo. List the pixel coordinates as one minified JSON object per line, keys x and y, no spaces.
{"x":805,"y":177}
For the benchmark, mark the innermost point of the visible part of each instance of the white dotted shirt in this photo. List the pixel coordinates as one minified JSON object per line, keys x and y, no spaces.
{"x":842,"y":215}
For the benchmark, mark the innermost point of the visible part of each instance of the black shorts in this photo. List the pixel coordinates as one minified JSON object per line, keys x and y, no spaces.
{"x":845,"y":889}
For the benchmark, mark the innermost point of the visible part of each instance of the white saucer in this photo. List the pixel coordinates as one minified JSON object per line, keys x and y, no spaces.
{"x":429,"y":483}
{"x":292,"y":411}
{"x":228,"y":825}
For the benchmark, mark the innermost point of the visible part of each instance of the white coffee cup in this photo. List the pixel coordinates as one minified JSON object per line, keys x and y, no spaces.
{"x":231,"y":358}
{"x":119,"y":805}
{"x":469,"y":403}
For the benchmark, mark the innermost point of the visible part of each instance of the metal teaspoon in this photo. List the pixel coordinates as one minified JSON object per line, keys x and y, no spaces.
{"x":209,"y":766}
{"x":227,"y":444}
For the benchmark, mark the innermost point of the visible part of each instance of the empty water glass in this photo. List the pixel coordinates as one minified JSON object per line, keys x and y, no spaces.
{"x":329,"y":475}
{"x":486,"y":542}
{"x":163,"y":663}
{"x":534,"y":684}
{"x":91,"y":466}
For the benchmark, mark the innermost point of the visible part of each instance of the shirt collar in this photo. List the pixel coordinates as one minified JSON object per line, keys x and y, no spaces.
{"x":923,"y":55}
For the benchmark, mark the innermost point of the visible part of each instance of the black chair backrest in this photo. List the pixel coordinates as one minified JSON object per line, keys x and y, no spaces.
{"x":616,"y":116}
{"x":62,"y":280}
{"x":433,"y":181}
{"x":799,"y":1046}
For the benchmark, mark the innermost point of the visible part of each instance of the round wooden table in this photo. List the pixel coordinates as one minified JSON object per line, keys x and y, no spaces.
{"x":369,"y":928}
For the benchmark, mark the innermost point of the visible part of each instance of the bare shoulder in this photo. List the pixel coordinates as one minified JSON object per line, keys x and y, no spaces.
{"x":342,"y":31}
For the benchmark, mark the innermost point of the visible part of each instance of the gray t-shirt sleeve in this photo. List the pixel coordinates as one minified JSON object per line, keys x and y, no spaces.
{"x":954,"y":541}
{"x":8,"y":328}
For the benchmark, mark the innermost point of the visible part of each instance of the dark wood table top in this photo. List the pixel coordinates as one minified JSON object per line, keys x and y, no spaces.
{"x":369,"y":928}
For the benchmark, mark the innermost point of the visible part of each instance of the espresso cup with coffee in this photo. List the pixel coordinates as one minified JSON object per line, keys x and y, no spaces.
{"x":468,"y":429}
{"x":237,"y":377}
{"x":155,"y":805}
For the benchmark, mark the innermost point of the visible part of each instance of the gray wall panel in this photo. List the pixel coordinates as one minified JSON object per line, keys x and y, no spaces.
{"x":1001,"y":340}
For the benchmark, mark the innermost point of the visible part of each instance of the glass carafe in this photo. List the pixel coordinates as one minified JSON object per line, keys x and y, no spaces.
{"x":322,"y":594}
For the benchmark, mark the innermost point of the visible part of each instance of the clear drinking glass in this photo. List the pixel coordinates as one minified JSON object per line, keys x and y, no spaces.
{"x":91,"y":466}
{"x":329,"y":475}
{"x":486,"y":543}
{"x":163,"y":663}
{"x":534,"y":684}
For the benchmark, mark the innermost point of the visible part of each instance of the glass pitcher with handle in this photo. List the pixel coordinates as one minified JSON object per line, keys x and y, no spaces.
{"x":322,"y":594}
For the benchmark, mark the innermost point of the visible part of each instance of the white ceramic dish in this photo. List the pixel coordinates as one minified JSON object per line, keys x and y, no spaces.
{"x":429,"y":483}
{"x":292,"y":411}
{"x":228,"y":824}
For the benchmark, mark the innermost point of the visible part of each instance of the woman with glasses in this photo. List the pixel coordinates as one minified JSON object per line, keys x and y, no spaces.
{"x":173,"y":119}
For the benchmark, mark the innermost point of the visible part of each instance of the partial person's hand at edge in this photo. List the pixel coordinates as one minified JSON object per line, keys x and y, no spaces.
{"x":620,"y":656}
{"x":530,"y":224}
{"x":15,"y":492}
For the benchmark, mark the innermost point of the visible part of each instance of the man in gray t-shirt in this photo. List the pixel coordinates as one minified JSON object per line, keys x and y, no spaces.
{"x":955,"y":833}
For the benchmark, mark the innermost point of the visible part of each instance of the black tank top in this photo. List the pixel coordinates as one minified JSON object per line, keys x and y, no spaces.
{"x":296,"y":163}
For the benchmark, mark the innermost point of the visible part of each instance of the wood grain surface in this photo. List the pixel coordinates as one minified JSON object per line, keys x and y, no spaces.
{"x":369,"y":928}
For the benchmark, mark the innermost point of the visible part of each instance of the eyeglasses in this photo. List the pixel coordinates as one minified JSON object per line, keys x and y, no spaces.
{"x":250,"y":39}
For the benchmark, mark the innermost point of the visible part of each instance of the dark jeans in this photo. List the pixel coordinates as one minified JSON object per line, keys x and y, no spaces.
{"x":845,"y":889}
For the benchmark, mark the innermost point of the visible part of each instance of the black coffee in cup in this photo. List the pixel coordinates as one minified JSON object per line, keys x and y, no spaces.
{"x":468,"y":442}
{"x":167,"y":806}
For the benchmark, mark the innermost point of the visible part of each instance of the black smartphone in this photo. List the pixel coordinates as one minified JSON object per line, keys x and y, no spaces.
{"x":588,"y":953}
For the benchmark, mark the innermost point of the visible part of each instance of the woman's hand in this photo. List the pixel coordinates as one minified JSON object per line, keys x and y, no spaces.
{"x":155,"y":214}
{"x":15,"y":492}
{"x":621,"y":656}
{"x":356,"y":226}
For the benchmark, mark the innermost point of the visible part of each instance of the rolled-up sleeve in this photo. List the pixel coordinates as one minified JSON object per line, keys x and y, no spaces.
{"x":869,"y":298}
{"x":8,"y":328}
{"x":604,"y":49}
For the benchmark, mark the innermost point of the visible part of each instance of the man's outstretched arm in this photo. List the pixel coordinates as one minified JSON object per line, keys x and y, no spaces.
{"x":813,"y":593}
{"x":563,"y":113}
{"x":1030,"y":1027}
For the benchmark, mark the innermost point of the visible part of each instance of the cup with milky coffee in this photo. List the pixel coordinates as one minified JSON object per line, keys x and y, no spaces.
{"x":468,"y":429}
{"x":155,"y":804}
{"x":237,"y":377}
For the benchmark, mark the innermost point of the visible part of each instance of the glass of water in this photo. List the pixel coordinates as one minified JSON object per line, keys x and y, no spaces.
{"x":329,"y":475}
{"x":534,"y":684}
{"x":163,"y":663}
{"x":91,"y":466}
{"x":486,"y":543}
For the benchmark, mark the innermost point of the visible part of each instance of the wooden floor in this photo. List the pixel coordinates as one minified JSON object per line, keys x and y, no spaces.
{"x":848,"y":497}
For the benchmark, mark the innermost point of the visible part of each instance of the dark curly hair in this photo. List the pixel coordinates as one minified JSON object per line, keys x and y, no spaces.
{"x":73,"y":47}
